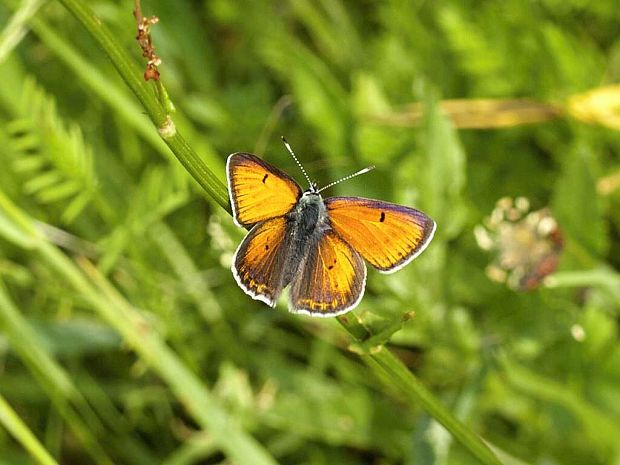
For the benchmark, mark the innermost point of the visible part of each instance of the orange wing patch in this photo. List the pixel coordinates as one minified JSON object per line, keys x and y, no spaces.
{"x":258,"y":191}
{"x":332,"y":279}
{"x":387,"y":235}
{"x":258,"y":264}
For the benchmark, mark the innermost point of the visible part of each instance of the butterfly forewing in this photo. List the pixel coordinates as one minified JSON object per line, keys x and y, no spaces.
{"x":258,"y":264}
{"x":258,"y":190}
{"x":331,"y":279}
{"x":387,"y":235}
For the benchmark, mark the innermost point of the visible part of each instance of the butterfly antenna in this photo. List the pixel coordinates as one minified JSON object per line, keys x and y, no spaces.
{"x":290,"y":150}
{"x":346,"y":178}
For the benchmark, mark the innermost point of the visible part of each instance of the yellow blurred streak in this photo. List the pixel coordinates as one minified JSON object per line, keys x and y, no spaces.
{"x":478,"y":113}
{"x":608,"y":184}
{"x":597,"y":106}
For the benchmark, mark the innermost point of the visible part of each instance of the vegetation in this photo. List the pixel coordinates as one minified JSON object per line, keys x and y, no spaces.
{"x":123,"y":336}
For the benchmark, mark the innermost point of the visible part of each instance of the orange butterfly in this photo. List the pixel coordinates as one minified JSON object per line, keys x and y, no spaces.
{"x":314,"y":245}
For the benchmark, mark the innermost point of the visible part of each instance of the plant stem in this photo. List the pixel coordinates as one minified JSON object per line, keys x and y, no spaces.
{"x":145,"y":93}
{"x":89,"y":283}
{"x":14,"y":425}
{"x":381,"y":359}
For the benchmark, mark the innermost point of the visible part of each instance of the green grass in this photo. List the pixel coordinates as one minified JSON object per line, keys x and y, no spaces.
{"x":123,"y":337}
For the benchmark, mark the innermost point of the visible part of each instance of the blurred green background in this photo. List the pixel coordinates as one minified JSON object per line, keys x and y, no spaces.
{"x":99,"y":222}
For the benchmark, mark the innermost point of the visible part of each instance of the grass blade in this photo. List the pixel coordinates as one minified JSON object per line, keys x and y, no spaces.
{"x":18,"y":429}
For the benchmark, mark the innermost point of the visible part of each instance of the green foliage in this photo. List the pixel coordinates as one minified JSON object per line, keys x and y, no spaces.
{"x":53,"y":163}
{"x":576,"y":203}
{"x":123,"y":337}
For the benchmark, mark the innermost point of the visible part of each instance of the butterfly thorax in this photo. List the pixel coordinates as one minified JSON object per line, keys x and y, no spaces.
{"x":309,"y":215}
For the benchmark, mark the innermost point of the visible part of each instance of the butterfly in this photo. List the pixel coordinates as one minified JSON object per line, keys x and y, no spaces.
{"x":316,"y":246}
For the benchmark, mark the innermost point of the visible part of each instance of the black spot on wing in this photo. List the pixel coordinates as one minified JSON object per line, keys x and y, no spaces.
{"x":382,"y":217}
{"x":265,"y":178}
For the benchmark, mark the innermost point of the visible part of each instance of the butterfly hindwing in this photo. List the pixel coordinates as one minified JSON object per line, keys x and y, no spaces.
{"x":387,"y":235}
{"x":258,"y":263}
{"x":258,"y":190}
{"x":331,"y":279}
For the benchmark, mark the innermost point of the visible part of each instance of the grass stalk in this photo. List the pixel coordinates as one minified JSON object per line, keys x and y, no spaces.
{"x":18,"y":429}
{"x":60,"y":389}
{"x":128,"y":321}
{"x":147,"y":97}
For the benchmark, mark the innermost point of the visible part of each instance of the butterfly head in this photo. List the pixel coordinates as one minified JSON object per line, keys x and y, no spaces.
{"x":313,"y":189}
{"x":311,"y":196}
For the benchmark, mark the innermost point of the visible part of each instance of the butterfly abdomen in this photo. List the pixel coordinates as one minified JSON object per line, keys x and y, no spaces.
{"x":305,"y":223}
{"x":308,"y":219}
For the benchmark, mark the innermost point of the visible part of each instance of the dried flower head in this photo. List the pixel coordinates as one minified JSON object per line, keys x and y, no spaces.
{"x":143,"y":37}
{"x":527,"y":244}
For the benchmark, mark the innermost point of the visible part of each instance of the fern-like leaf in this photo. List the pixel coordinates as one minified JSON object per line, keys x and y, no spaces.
{"x":51,"y":155}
